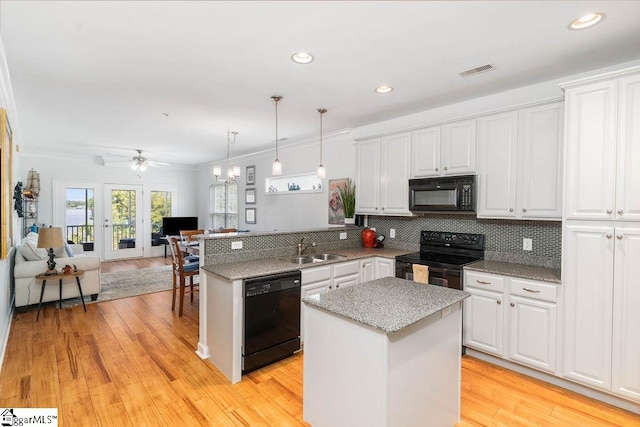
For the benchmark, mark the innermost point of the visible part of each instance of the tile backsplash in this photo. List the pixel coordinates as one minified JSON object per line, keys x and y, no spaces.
{"x":503,"y":237}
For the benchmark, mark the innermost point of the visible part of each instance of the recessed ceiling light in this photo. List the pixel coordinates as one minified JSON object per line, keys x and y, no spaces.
{"x":586,"y":21}
{"x":384,"y":89}
{"x":302,"y":58}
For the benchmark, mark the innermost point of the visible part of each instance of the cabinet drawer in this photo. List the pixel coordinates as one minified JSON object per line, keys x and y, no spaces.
{"x":311,"y":275}
{"x":345,"y":268}
{"x":486,"y":281}
{"x":536,"y":290}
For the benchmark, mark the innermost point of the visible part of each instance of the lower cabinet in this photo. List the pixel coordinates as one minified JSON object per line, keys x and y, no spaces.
{"x":512,"y":318}
{"x":319,"y":280}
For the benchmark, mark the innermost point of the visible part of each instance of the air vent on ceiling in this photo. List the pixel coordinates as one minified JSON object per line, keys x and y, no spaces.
{"x":477,"y":70}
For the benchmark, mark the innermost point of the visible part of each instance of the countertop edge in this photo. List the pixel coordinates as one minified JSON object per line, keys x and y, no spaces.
{"x":521,"y":271}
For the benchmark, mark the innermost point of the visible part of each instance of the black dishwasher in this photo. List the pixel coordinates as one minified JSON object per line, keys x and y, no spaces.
{"x":271,"y":319}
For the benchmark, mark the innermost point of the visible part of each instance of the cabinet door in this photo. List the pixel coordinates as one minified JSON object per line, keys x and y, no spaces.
{"x":367,"y":270}
{"x":345,"y":281}
{"x":425,"y":152}
{"x":458,"y":154}
{"x":497,"y":154}
{"x":394,"y":178}
{"x":385,"y":268}
{"x":309,"y":290}
{"x":540,"y":147}
{"x":628,"y":167}
{"x":588,"y":297}
{"x":532,"y":332}
{"x":368,"y":177}
{"x":626,"y":315}
{"x":590,"y":151}
{"x":483,"y":321}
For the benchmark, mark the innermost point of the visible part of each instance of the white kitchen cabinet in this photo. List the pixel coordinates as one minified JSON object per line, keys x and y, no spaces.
{"x":367,"y":269}
{"x":602,"y":321}
{"x":520,"y":163}
{"x":444,"y":150}
{"x":603,"y":150}
{"x":382,"y":174}
{"x":346,"y":274}
{"x":309,"y":290}
{"x":511,"y":318}
{"x":532,"y":323}
{"x":384,"y":267}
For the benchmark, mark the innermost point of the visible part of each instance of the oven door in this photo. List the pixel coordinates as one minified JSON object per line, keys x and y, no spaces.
{"x":437,"y":276}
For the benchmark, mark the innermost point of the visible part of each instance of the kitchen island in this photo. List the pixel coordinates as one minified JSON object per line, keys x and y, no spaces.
{"x":383,"y":353}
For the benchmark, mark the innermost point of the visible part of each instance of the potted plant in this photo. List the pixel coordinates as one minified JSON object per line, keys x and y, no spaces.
{"x":348,"y":196}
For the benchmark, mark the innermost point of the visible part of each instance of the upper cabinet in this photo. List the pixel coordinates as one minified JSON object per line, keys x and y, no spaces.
{"x":382,"y":175}
{"x":603,"y":150}
{"x":520,"y":163}
{"x":444,"y":150}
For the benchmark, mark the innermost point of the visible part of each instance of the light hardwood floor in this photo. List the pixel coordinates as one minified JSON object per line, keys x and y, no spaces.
{"x":131,"y":362}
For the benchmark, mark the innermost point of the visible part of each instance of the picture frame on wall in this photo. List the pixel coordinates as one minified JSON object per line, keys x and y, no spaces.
{"x":250,"y":196}
{"x":251,"y":175}
{"x":250,"y":215}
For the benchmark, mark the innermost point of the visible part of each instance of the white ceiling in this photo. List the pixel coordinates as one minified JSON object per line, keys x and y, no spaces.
{"x":96,"y":78}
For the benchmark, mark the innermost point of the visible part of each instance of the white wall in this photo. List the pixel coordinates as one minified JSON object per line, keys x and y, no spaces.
{"x":287,"y":211}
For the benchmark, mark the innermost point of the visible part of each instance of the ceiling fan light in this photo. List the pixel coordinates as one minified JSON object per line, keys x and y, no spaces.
{"x":143,"y":167}
{"x":134,"y":166}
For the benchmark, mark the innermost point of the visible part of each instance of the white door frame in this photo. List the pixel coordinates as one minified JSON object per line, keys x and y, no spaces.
{"x":138,"y":250}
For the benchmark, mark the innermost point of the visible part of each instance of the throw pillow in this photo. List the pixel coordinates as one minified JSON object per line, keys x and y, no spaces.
{"x":31,"y":252}
{"x":68,"y":249}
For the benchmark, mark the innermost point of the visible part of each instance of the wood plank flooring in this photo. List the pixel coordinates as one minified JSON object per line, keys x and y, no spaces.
{"x":132,"y":362}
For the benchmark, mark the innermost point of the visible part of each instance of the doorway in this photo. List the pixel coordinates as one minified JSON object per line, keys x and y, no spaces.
{"x":123,"y":230}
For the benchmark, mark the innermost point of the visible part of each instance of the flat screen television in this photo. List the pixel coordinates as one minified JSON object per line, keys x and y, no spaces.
{"x":171,"y":225}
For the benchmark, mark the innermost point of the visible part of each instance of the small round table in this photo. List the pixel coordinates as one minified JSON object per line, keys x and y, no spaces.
{"x":60,"y":276}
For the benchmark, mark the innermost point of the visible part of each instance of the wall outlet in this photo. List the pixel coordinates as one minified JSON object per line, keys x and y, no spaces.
{"x":392,"y":233}
{"x":236,"y":245}
{"x":527,"y":244}
{"x":343,"y":235}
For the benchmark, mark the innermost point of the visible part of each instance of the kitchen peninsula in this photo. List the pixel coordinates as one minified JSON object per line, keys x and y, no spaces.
{"x":383,"y":353}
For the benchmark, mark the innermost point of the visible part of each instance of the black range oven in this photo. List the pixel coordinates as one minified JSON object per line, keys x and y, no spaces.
{"x":445,"y":254}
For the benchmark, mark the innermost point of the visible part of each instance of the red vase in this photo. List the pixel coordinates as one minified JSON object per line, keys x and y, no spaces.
{"x":368,"y":238}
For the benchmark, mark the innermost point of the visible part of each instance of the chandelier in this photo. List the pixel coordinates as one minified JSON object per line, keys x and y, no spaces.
{"x":233,"y":173}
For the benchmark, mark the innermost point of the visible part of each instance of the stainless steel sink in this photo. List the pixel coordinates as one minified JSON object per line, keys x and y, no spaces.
{"x":301,"y":259}
{"x":327,"y":257}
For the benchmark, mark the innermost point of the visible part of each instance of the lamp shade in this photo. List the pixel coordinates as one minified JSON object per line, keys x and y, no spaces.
{"x":50,"y":237}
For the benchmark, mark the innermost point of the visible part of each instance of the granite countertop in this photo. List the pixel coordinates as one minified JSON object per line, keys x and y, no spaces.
{"x":260,"y":267}
{"x":522,"y":271}
{"x":388,"y":304}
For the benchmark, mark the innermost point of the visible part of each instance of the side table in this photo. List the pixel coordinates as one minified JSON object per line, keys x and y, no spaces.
{"x":60,"y":276}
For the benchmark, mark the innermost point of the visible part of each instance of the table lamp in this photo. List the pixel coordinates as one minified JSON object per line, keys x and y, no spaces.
{"x":50,"y":238}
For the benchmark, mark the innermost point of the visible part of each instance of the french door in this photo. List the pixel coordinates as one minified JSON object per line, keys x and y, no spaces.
{"x":123,"y":225}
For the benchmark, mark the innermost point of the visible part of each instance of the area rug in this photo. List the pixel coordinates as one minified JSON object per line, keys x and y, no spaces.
{"x":124,"y":284}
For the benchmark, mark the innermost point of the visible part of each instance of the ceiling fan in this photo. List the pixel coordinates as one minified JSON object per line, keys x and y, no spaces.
{"x":140,"y":162}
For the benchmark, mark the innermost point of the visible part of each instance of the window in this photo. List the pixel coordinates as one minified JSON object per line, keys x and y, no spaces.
{"x":160,"y":207}
{"x":79,"y":208}
{"x":223,"y":205}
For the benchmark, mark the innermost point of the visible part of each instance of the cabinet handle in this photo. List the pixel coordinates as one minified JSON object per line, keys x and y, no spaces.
{"x":483,"y":283}
{"x":609,"y":211}
{"x":446,"y":168}
{"x":499,"y":302}
{"x":619,"y":211}
{"x":436,"y":169}
{"x":531,"y":290}
{"x":524,"y":209}
{"x":510,"y":209}
{"x":512,"y":305}
{"x":619,"y":237}
{"x":608,"y":235}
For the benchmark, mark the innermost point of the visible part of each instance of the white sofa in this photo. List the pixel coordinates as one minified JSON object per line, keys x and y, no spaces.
{"x":30,"y":262}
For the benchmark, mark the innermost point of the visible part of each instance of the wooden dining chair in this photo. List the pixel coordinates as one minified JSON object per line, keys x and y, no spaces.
{"x":188,"y":235}
{"x":183,"y":267}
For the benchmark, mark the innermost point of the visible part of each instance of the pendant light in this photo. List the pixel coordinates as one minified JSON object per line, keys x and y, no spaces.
{"x":276,"y":168}
{"x":322,"y":173}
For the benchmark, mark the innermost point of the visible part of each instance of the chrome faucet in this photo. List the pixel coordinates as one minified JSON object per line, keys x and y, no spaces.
{"x":302,"y":247}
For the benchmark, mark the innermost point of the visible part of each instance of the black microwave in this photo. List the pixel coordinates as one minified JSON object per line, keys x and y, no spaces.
{"x":453,"y":194}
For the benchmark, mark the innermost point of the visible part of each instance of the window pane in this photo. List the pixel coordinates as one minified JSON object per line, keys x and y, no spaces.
{"x":224,"y":205}
{"x":160,"y":207}
{"x":79,"y":206}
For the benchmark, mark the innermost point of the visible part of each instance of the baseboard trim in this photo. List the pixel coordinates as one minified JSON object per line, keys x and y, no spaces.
{"x":558,"y":381}
{"x":5,"y":336}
